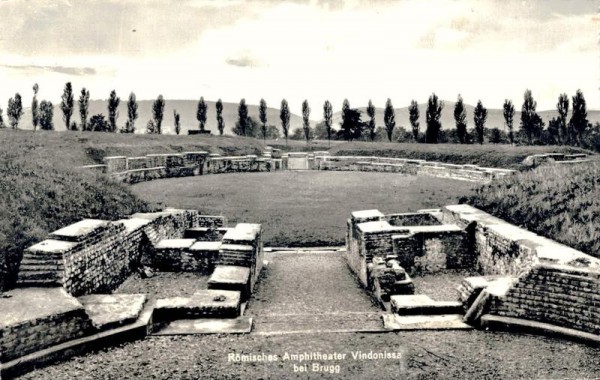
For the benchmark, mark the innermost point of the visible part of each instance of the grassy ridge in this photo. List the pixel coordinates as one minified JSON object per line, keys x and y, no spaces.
{"x":81,"y":148}
{"x":489,"y":155}
{"x":559,"y":202}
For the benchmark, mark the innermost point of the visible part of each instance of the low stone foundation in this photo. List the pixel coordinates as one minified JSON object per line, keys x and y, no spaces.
{"x":36,"y":318}
{"x":156,"y":166}
{"x":532,"y":277}
{"x":409,"y":167}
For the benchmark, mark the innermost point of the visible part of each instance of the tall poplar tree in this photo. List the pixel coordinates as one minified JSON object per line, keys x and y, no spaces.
{"x":460,"y":118}
{"x":371,"y":123}
{"x":413,"y":117}
{"x":66,"y":104}
{"x":389,"y":118}
{"x":84,"y":102}
{"x":284,"y":115}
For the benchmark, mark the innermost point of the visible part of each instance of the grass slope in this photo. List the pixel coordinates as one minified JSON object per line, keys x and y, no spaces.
{"x":487,"y":155}
{"x":559,"y":202}
{"x":81,"y":148}
{"x":302,"y":208}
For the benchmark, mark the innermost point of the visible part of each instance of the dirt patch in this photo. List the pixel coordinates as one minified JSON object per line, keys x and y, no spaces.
{"x":164,"y":285}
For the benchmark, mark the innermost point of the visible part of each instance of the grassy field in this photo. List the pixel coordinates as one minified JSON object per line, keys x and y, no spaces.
{"x":559,"y":202}
{"x":302,"y":208}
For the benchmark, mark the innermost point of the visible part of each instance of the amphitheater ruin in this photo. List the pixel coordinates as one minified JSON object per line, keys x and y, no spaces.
{"x":64,"y":303}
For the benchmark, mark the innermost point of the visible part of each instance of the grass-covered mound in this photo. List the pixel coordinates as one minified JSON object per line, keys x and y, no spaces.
{"x":42,"y":189}
{"x":82,"y":148}
{"x":559,"y":202}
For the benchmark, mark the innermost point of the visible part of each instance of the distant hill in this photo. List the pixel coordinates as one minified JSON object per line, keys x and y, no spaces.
{"x":187,"y":110}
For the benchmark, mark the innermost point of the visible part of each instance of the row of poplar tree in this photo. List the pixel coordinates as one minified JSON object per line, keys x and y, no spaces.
{"x":352,"y":127}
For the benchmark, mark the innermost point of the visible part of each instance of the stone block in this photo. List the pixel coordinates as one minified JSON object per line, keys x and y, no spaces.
{"x":367,"y":216}
{"x":231,"y":277}
{"x":37,"y":318}
{"x":80,"y":231}
{"x":423,"y":305}
{"x":109,"y":311}
{"x":209,"y":303}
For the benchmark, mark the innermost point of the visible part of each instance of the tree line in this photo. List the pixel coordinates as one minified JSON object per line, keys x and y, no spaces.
{"x":576,"y":131}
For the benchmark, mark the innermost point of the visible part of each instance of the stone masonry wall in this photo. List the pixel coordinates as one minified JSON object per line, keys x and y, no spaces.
{"x":408,"y":166}
{"x":154,"y":166}
{"x":561,"y":295}
{"x":33,"y":323}
{"x":97,"y":256}
{"x":502,"y":248}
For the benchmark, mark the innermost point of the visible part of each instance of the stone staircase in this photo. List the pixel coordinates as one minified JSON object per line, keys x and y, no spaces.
{"x":43,"y":265}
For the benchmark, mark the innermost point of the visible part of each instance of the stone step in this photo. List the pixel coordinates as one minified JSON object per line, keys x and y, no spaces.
{"x":209,"y":303}
{"x":42,"y":266}
{"x":29,"y":260}
{"x":27,"y":283}
{"x":41,"y":255}
{"x":231,"y":277}
{"x":397,"y":322}
{"x":240,"y":325}
{"x":423,"y":305}
{"x":35,"y":275}
{"x":108,"y":311}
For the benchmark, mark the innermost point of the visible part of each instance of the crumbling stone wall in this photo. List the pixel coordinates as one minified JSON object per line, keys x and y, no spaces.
{"x":249,"y":163}
{"x":409,"y":166}
{"x":418,"y":241}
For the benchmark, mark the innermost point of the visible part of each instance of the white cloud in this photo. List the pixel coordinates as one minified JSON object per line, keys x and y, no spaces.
{"x":401,"y":50}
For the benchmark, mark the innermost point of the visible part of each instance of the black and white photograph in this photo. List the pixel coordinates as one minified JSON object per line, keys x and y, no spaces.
{"x":299,"y":189}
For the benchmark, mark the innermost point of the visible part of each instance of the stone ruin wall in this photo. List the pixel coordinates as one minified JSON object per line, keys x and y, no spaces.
{"x":156,"y":166}
{"x":65,"y":323}
{"x":562,"y":295}
{"x":94,"y":256}
{"x":410,"y":167}
{"x":548,"y":282}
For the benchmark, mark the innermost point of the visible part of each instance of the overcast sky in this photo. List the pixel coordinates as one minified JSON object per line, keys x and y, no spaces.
{"x":360,"y":50}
